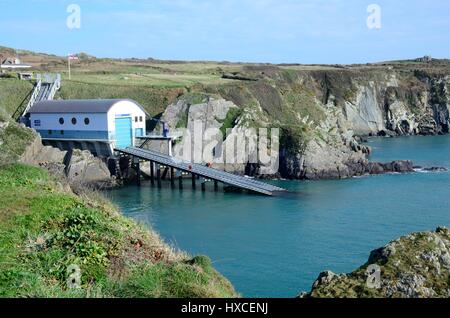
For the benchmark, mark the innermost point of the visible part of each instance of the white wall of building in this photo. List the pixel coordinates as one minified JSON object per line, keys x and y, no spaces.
{"x":126,"y":109}
{"x":100,"y":126}
{"x":97,"y":122}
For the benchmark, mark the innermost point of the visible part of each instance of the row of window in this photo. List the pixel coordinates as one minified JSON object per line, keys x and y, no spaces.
{"x":74,"y":121}
{"x":87,"y":120}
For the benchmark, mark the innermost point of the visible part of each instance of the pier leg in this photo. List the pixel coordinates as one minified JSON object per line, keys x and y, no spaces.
{"x":172,"y":177}
{"x":216,"y":186}
{"x":137,"y":164}
{"x":194,"y":180}
{"x":165,"y":173}
{"x":204,"y":186}
{"x":180,"y":182}
{"x":158,"y":175}
{"x":152,"y":173}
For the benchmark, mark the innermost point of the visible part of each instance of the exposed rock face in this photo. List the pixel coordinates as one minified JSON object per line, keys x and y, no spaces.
{"x":80,"y":167}
{"x":209,"y":116}
{"x":325,"y":162}
{"x":414,"y":266}
{"x":174,"y":113}
{"x":323,"y":112}
{"x":339,"y":157}
{"x":365,"y":114}
{"x":83,"y":168}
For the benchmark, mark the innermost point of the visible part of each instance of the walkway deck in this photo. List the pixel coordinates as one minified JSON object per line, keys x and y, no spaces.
{"x":203,"y":171}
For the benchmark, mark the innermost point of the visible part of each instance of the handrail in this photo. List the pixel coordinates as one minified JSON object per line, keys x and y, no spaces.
{"x":33,"y":97}
{"x":40,"y":95}
{"x":55,"y":87}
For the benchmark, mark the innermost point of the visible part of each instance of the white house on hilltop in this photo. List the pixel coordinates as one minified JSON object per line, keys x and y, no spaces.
{"x":95,"y":125}
{"x":13,"y":63}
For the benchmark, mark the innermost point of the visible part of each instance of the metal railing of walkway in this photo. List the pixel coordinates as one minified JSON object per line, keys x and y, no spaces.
{"x":203,"y":171}
{"x":45,"y":89}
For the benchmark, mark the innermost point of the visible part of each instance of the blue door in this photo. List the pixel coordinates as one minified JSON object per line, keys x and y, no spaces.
{"x":124,"y":133}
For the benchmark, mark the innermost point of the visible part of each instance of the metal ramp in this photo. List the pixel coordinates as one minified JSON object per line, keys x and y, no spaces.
{"x":203,"y":171}
{"x":45,"y":89}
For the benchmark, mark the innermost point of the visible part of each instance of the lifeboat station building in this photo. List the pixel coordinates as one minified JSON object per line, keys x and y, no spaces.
{"x":99,"y":126}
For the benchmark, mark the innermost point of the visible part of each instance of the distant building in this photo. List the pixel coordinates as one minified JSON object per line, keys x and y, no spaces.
{"x":25,"y":76}
{"x":95,"y":125}
{"x":425,"y":59}
{"x":13,"y":63}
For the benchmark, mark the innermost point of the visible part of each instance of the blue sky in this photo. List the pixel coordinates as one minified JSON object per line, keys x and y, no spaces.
{"x":277,"y":31}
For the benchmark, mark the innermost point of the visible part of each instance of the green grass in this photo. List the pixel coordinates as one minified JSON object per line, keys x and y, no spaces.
{"x":154,"y":100}
{"x":230,"y":120}
{"x":147,"y":79}
{"x":301,"y":102}
{"x":183,"y":122}
{"x":13,"y":141}
{"x":12,"y":94}
{"x":189,"y":279}
{"x":43,"y":231}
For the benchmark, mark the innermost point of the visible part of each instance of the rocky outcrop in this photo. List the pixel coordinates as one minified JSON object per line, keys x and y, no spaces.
{"x":331,"y":163}
{"x":414,"y":266}
{"x":215,"y":115}
{"x":80,"y":168}
{"x":340,"y":156}
{"x":175,"y":113}
{"x":322,"y":113}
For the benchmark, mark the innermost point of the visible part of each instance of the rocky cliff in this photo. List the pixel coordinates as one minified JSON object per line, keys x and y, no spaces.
{"x":324,"y":114}
{"x":80,"y":168}
{"x":414,"y":266}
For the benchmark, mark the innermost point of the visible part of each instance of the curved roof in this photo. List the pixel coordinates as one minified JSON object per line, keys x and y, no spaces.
{"x":78,"y":106}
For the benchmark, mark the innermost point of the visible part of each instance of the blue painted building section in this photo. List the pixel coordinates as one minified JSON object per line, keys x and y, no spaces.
{"x":74,"y":134}
{"x":124,"y":132}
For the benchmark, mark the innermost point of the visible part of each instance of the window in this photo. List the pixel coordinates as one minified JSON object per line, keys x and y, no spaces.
{"x":136,"y":119}
{"x":74,"y":121}
{"x":139,"y":132}
{"x":140,"y":119}
{"x":61,"y":121}
{"x":62,"y":132}
{"x":50,"y":132}
{"x":86,"y":121}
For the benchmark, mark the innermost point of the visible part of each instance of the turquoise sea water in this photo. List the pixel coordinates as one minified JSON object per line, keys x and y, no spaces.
{"x":276,"y":247}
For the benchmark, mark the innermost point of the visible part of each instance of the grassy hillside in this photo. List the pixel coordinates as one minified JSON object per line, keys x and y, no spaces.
{"x":13,"y":92}
{"x":45,"y":230}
